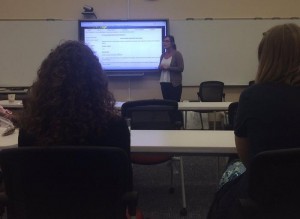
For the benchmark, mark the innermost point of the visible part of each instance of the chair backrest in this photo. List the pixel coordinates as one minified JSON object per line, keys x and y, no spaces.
{"x":153,"y":114}
{"x":274,"y":177}
{"x":251,"y":83}
{"x":66,"y":182}
{"x":211,"y":91}
{"x":273,"y":191}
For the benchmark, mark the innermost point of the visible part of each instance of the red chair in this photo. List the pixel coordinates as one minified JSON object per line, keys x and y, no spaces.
{"x":156,"y":114}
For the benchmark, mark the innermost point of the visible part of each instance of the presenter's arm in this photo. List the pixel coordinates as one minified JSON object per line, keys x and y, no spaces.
{"x":160,"y":67}
{"x":242,"y":147}
{"x":177,"y":65}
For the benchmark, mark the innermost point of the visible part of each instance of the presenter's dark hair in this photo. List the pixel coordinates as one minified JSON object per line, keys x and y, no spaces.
{"x":172,"y":41}
{"x":69,"y":98}
{"x":279,"y":55}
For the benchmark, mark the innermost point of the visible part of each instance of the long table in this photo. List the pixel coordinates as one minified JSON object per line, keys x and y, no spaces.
{"x":10,"y":140}
{"x":183,"y":142}
{"x":198,"y":106}
{"x":188,"y":142}
{"x":15,"y":104}
{"x":182,"y":106}
{"x":195,"y":106}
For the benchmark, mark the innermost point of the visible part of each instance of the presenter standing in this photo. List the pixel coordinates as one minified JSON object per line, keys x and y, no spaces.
{"x":171,"y":66}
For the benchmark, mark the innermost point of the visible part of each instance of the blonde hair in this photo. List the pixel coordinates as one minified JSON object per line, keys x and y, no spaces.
{"x":279,"y":55}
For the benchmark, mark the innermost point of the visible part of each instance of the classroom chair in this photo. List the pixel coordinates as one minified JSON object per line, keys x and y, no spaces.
{"x":68,"y":182}
{"x":156,"y":114}
{"x":274,"y":179}
{"x":210,"y":91}
{"x":251,"y":83}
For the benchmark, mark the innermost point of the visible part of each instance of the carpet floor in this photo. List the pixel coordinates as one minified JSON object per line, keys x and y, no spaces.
{"x":152,"y":182}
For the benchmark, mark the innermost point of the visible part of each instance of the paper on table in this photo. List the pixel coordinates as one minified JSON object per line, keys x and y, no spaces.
{"x":8,"y":125}
{"x":5,"y":122}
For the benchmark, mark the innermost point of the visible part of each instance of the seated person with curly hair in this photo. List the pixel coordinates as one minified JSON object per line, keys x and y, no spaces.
{"x":69,"y":103}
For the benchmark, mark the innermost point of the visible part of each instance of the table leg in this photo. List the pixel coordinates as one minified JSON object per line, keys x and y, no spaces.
{"x":215,"y":120}
{"x":185,"y":120}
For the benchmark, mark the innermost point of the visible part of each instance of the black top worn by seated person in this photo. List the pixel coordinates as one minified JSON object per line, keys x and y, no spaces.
{"x":116,"y":135}
{"x":269,"y":117}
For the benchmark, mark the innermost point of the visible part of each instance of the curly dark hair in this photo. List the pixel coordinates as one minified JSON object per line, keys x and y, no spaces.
{"x":69,"y":99}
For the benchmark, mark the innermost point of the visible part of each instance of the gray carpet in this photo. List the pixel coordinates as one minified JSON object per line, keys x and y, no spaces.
{"x":201,"y":179}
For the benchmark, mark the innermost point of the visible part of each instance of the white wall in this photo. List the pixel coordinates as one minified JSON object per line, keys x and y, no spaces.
{"x":172,"y":9}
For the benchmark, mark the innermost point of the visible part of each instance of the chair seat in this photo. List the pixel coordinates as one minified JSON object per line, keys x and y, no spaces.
{"x":138,"y":214}
{"x":139,"y":158}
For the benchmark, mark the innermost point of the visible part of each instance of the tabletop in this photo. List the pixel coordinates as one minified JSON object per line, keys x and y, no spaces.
{"x":14,"y":104}
{"x":191,"y":106}
{"x":182,"y":106}
{"x":183,"y":141}
{"x":166,"y":141}
{"x":10,"y":140}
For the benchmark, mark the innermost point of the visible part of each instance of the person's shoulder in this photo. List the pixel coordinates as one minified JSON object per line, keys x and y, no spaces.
{"x":26,"y":139}
{"x":117,"y":121}
{"x":117,"y":126}
{"x":266,"y":92}
{"x":253,"y":93}
{"x":258,"y":88}
{"x":270,"y":87}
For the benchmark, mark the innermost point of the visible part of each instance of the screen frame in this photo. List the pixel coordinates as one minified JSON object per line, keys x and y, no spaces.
{"x":127,"y":24}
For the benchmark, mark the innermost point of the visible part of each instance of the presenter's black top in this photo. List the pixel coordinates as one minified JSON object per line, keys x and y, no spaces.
{"x":116,"y":135}
{"x":269,"y":116}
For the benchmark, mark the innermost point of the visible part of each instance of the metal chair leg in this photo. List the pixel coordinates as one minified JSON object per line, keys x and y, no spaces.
{"x":202,"y":127}
{"x":215,"y":120}
{"x":183,"y":211}
{"x":171,"y":189}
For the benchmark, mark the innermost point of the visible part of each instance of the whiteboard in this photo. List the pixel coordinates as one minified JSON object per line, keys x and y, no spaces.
{"x":224,"y":50}
{"x":25,"y":44}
